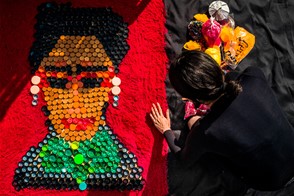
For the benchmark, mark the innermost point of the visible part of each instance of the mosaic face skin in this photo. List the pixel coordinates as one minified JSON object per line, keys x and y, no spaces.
{"x":76,"y":110}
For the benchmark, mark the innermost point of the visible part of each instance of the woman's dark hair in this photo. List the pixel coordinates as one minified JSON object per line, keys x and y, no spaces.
{"x":197,"y":76}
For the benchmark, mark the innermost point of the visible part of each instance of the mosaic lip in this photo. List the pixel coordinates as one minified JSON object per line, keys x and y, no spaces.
{"x":78,"y":124}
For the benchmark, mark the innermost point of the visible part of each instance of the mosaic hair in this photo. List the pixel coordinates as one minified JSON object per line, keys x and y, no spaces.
{"x":195,"y":75}
{"x":54,"y":20}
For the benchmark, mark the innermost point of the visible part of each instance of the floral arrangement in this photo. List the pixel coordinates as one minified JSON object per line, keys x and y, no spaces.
{"x":217,"y":36}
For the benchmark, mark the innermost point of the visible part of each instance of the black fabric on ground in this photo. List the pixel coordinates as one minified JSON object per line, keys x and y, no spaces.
{"x":209,"y":176}
{"x":272,"y":24}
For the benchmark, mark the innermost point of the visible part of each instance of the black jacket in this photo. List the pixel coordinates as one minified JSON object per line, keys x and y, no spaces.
{"x":249,"y":134}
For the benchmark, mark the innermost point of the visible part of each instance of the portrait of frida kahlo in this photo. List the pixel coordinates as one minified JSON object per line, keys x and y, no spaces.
{"x":75,"y":60}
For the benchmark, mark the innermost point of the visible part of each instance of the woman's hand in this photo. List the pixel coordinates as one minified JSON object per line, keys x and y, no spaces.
{"x":161,"y":122}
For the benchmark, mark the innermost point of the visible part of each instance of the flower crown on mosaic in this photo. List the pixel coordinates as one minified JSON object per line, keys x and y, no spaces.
{"x":218,"y":37}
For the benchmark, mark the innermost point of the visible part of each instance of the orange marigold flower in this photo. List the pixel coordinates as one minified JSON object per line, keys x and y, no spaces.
{"x":192,"y":45}
{"x":201,"y":17}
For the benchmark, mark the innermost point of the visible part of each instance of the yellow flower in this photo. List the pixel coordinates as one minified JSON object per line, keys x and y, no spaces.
{"x":214,"y":53}
{"x":192,"y":45}
{"x":201,"y":17}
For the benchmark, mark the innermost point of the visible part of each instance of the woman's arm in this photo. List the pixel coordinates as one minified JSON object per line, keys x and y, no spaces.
{"x":171,"y":141}
{"x":162,"y":124}
{"x":192,"y":121}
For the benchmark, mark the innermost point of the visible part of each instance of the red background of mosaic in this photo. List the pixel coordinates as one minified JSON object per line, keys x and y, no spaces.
{"x":142,"y":72}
